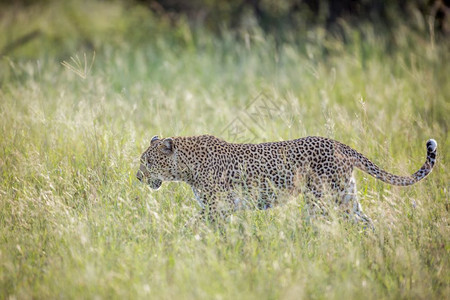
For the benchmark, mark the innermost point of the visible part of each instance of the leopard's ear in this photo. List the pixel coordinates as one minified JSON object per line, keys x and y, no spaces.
{"x":154,"y":139}
{"x":166,"y":146}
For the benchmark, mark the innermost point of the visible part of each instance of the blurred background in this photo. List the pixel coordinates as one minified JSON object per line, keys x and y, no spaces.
{"x":65,"y":26}
{"x":329,"y":52}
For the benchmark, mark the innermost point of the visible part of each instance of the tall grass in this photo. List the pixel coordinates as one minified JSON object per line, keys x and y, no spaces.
{"x":75,"y":223}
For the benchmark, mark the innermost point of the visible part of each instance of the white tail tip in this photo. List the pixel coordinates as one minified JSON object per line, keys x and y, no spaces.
{"x":431,"y":145}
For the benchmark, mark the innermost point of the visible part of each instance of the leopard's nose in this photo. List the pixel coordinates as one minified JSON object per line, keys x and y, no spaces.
{"x":139,"y":175}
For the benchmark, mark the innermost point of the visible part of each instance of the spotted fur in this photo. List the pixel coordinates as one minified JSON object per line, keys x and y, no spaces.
{"x":226,"y":176}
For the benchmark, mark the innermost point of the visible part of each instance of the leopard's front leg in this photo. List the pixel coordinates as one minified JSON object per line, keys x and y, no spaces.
{"x":214,"y":207}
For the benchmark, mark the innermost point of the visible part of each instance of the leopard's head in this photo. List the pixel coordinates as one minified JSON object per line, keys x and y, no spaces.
{"x":157,"y":163}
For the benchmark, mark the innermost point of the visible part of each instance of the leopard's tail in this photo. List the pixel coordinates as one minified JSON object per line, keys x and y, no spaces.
{"x":369,"y":167}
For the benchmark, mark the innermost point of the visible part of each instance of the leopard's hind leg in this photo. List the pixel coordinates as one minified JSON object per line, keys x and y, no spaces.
{"x":351,"y":205}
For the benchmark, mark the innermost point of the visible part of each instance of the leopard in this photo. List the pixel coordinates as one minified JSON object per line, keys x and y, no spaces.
{"x":226,"y":177}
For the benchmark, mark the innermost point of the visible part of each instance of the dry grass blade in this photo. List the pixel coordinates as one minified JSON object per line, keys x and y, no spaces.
{"x":80,"y":68}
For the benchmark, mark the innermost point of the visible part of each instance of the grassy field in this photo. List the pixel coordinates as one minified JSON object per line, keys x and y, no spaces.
{"x":75,"y":223}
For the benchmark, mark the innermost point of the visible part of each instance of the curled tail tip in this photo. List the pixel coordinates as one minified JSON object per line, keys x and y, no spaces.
{"x":431,"y":146}
{"x":431,"y":152}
